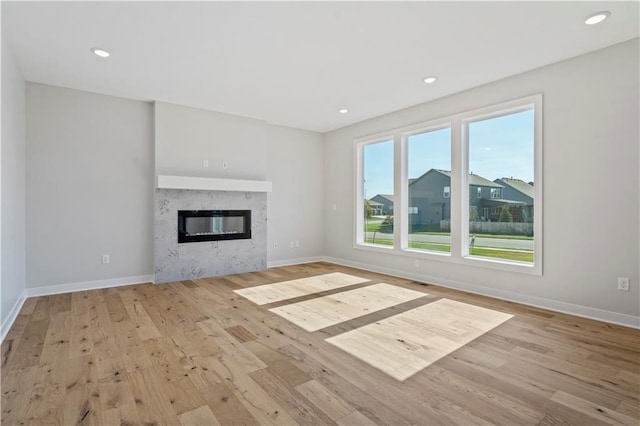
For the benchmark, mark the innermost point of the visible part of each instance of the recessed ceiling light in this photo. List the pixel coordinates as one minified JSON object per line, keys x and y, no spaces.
{"x":430,"y":80}
{"x":597,"y":17}
{"x":343,"y":111}
{"x":100,"y":52}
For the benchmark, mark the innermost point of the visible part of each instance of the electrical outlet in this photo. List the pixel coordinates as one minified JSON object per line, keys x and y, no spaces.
{"x":297,"y":243}
{"x":623,"y":283}
{"x":225,"y":164}
{"x":205,"y":163}
{"x":275,"y":245}
{"x":105,"y":259}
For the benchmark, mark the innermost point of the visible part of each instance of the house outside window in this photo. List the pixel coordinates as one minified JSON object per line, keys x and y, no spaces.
{"x":436,"y":198}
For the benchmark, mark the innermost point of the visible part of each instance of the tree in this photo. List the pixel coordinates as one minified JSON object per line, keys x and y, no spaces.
{"x":368,"y":210}
{"x":505,"y":214}
{"x":473,"y":215}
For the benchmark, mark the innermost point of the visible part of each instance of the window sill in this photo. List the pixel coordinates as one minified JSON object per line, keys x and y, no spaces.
{"x":470,"y":261}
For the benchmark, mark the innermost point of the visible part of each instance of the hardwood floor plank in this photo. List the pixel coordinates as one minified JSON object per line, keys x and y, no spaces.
{"x":234,"y":349}
{"x":82,"y":397}
{"x":322,"y":312}
{"x":356,"y":418}
{"x":326,"y":401}
{"x":227,"y":407}
{"x":201,"y":416}
{"x":31,"y":345}
{"x":152,"y":403}
{"x":145,"y":328}
{"x":270,"y":293}
{"x":406,"y":343}
{"x":197,"y":352}
{"x":591,"y":409}
{"x":301,"y":409}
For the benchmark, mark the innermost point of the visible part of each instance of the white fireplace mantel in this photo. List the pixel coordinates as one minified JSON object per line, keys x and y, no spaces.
{"x":213,"y":184}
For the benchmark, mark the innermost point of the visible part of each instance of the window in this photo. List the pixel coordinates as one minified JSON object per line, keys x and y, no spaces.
{"x":429,"y":176}
{"x":438,"y":186}
{"x":376,"y":190}
{"x":498,"y":146}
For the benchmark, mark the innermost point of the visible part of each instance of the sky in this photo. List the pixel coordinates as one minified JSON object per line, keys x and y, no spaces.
{"x":498,"y":147}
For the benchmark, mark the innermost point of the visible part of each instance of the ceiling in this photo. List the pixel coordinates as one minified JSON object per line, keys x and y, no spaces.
{"x":296,"y":64}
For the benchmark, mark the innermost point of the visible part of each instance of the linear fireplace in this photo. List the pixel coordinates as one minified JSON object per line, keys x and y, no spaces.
{"x":213,"y":225}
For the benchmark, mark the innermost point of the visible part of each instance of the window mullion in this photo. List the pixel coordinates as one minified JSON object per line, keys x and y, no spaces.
{"x":458,"y":189}
{"x":400,"y":218}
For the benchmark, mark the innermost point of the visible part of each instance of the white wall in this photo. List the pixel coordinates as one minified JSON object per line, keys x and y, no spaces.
{"x":591,"y":233}
{"x":89,"y":186}
{"x":186,"y":136}
{"x":295,"y":207}
{"x":12,"y":275}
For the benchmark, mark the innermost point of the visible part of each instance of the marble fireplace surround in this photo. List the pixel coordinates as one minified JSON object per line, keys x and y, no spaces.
{"x":177,"y":262}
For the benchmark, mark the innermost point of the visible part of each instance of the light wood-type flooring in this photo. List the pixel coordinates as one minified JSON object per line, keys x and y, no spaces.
{"x":197,"y":353}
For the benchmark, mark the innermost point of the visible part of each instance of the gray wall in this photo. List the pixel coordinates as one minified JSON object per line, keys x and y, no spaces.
{"x":89,"y":186}
{"x":12,"y":176}
{"x":590,"y":147}
{"x":291,"y":159}
{"x":186,"y":136}
{"x":295,"y":207}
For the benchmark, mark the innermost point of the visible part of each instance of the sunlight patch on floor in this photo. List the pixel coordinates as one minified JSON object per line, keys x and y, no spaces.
{"x":322,"y":312}
{"x":405,"y":343}
{"x":270,"y":293}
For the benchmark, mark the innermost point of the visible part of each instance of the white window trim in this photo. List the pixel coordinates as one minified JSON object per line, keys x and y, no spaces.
{"x":505,"y":108}
{"x":459,"y":188}
{"x":358,"y":218}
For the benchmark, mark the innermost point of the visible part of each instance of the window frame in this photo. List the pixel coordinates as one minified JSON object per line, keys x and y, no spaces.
{"x":459,"y":192}
{"x":359,"y":145}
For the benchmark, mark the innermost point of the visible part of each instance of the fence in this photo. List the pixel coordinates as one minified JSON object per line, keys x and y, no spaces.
{"x":500,"y":228}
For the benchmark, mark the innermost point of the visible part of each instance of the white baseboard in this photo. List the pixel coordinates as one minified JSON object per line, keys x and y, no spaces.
{"x":538,"y":302}
{"x":299,"y":261}
{"x":15,"y":310}
{"x":87,"y":285}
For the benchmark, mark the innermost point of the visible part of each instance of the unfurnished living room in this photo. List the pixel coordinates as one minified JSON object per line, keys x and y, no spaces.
{"x":328,"y":213}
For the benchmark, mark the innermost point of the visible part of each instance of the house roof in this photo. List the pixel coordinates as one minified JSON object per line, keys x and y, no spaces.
{"x":386,"y":196}
{"x":473,"y":179}
{"x":491,"y":202}
{"x":519,"y":185}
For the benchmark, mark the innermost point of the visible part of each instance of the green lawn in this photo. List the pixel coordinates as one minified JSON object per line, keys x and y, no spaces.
{"x":516,"y":255}
{"x":380,"y":227}
{"x":435,"y":230}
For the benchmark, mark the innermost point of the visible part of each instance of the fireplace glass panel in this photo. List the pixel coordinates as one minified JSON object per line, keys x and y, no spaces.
{"x":213,"y":225}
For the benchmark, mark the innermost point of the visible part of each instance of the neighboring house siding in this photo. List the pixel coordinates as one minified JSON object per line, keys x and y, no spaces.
{"x":512,"y":193}
{"x":386,"y":201}
{"x":427,"y":194}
